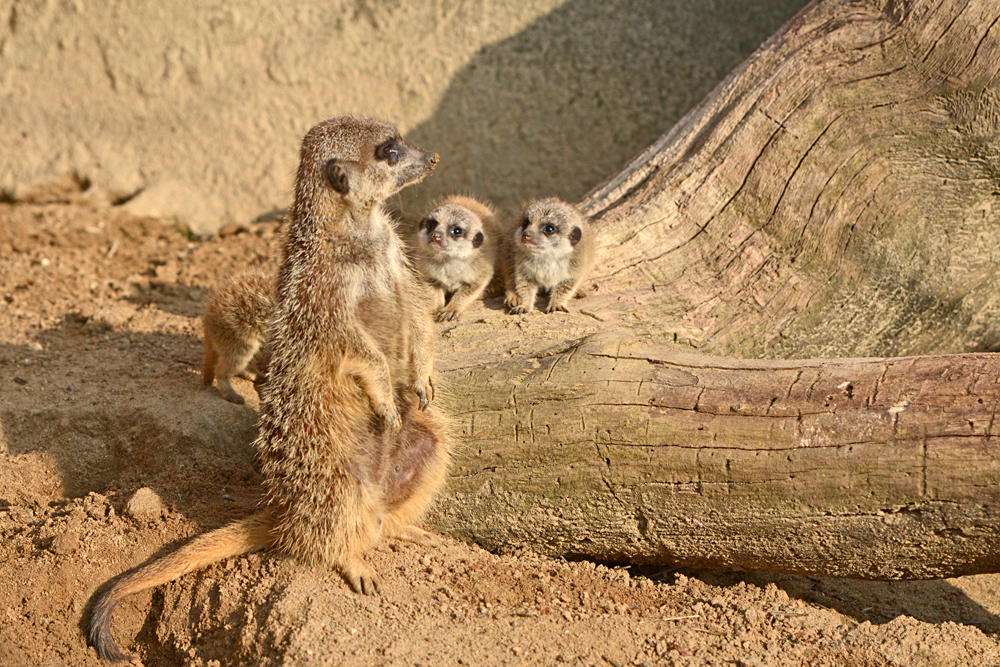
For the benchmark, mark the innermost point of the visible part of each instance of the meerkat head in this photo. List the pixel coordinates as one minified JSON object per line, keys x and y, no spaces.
{"x":452,"y":230}
{"x":358,"y":161}
{"x":549,"y":226}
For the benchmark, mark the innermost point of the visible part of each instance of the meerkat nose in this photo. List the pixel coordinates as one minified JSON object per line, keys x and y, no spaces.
{"x":434,"y":159}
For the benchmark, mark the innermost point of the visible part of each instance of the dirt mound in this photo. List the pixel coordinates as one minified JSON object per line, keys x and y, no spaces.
{"x":100,"y":397}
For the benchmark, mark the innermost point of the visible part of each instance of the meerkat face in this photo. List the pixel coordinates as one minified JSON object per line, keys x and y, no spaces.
{"x":359,"y":160}
{"x":452,"y":230}
{"x":550,"y":227}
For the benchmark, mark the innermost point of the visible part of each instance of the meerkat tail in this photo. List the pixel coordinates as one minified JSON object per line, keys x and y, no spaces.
{"x":211,"y":359}
{"x":240,"y":537}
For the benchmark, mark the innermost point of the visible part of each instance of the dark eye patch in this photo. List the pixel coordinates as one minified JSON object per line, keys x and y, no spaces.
{"x":525,"y":222}
{"x":388,"y":151}
{"x":428,"y":223}
{"x":549,"y":229}
{"x":457,"y":232}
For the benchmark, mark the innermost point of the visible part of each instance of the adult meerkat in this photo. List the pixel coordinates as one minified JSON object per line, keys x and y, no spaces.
{"x":235,"y":327}
{"x":550,"y":247}
{"x":456,"y":251}
{"x":349,"y":447}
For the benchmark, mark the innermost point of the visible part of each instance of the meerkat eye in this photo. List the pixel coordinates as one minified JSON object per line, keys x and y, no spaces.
{"x":388,"y":151}
{"x":429,"y":224}
{"x":549,"y":230}
{"x":457,"y":231}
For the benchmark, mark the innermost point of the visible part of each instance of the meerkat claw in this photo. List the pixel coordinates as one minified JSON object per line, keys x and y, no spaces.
{"x":425,"y":392}
{"x":446,"y":315}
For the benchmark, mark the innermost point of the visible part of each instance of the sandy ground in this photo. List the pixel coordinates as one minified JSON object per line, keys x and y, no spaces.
{"x":100,"y":396}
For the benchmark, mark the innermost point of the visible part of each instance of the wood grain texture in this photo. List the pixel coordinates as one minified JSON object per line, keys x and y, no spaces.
{"x":869,"y":468}
{"x":833,"y":197}
{"x":836,"y":195}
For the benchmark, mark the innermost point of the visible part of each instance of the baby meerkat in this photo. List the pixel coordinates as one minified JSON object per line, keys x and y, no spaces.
{"x":235,"y":326}
{"x":457,"y":252}
{"x":349,"y":448}
{"x":551,"y":247}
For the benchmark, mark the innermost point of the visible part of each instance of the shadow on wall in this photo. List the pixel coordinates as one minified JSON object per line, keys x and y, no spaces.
{"x":564,"y":104}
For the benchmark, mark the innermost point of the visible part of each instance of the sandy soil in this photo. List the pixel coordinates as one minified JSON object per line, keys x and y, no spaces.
{"x":100,"y":396}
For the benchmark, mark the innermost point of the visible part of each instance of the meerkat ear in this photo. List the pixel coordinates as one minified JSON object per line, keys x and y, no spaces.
{"x":575,"y":236}
{"x":337,"y":176}
{"x":477,"y":240}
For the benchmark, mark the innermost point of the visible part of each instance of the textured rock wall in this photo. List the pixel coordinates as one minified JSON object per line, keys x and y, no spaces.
{"x":195,"y":110}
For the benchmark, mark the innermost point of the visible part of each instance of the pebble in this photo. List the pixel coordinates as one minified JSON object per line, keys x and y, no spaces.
{"x":65,"y":543}
{"x":144,"y":505}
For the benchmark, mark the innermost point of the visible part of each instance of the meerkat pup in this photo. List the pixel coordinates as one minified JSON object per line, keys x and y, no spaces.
{"x":235,"y":326}
{"x":349,"y":448}
{"x":456,"y":251}
{"x":551,"y":247}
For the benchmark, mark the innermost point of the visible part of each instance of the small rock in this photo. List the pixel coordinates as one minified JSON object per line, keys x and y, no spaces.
{"x":65,"y":543}
{"x":114,"y":317}
{"x":232,"y":229}
{"x":144,"y":505}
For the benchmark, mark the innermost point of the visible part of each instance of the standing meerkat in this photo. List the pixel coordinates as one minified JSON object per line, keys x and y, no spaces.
{"x":456,"y":252}
{"x":235,"y":327}
{"x":349,"y":448}
{"x":550,"y":247}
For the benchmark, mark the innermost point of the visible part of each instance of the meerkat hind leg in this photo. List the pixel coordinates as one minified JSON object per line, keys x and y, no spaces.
{"x":211,"y":360}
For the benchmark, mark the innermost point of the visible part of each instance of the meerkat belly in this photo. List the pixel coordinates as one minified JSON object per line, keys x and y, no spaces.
{"x":546,"y":271}
{"x":383,"y":317}
{"x":452,"y":275}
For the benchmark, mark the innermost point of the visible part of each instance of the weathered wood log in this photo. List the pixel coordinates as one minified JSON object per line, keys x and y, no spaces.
{"x":832,"y":197}
{"x":868,"y":468}
{"x":836,"y":195}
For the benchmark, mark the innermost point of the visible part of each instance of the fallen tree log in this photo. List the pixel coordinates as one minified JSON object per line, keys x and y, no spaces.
{"x":834,"y":196}
{"x":867,"y":468}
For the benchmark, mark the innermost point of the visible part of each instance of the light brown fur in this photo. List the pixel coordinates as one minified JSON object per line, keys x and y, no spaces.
{"x":348,"y":446}
{"x":456,"y":251}
{"x":235,"y":327}
{"x":549,"y":247}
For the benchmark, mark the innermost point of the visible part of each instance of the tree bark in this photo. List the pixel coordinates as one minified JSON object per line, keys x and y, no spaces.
{"x":832,"y":197}
{"x":836,"y":195}
{"x":614,"y":451}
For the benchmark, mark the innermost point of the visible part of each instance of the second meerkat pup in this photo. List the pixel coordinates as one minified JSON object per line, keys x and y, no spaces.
{"x":456,"y":251}
{"x":235,"y":327}
{"x":349,"y":448}
{"x":551,"y":247}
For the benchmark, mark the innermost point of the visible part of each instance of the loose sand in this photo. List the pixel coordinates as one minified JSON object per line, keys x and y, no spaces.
{"x":100,"y":396}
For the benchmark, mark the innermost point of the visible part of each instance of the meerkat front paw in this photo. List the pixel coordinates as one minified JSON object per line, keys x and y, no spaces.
{"x":557,"y":309}
{"x":424,"y":389}
{"x":387,"y":411}
{"x":512,"y":301}
{"x":446,"y":315}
